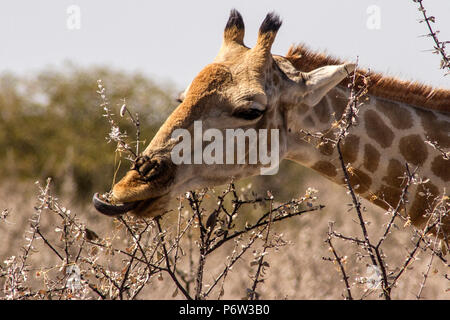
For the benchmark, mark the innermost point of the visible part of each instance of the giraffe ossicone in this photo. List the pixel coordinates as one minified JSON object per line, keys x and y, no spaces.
{"x":249,"y":90}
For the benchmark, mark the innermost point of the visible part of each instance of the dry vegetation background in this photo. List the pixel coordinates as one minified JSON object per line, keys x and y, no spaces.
{"x":52,"y":126}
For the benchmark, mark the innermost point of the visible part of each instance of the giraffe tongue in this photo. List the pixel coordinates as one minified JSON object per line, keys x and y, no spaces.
{"x":110,"y":209}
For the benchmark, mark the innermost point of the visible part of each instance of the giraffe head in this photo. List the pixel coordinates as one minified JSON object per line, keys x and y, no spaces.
{"x":245,"y":89}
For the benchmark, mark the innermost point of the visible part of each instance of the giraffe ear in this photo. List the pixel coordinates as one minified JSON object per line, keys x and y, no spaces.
{"x":319,"y":81}
{"x":182,"y":94}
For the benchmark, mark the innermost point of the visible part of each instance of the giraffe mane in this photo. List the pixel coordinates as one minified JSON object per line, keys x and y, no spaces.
{"x":410,"y":92}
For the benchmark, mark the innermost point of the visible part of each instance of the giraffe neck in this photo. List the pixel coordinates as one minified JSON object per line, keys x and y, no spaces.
{"x":387,"y":136}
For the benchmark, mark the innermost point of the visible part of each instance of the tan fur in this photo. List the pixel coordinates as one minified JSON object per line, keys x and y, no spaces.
{"x":413,"y":93}
{"x":234,"y":34}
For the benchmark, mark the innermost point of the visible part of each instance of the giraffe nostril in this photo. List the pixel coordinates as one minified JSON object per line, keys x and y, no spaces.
{"x":139,"y":162}
{"x":146,"y":167}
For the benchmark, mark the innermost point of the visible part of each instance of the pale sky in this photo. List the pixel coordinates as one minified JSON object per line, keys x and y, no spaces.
{"x":173,"y":40}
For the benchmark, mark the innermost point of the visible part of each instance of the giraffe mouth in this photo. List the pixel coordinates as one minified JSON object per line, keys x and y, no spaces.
{"x":113,"y":210}
{"x":110,"y":209}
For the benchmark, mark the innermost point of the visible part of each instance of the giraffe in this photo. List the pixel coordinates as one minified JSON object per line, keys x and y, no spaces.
{"x":251,"y":88}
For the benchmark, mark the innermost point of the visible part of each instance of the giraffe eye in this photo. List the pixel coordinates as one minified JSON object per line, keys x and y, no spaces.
{"x":248,"y":113}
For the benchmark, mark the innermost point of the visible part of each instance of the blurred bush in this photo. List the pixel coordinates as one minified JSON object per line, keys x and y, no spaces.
{"x":51,"y":124}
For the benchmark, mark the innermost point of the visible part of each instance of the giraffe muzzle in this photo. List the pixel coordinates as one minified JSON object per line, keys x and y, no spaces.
{"x":147,"y":181}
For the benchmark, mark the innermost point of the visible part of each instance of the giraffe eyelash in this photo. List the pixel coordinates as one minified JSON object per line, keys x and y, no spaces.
{"x":247,"y":113}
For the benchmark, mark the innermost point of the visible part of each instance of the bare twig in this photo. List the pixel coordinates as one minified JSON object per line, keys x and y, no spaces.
{"x":440,"y":46}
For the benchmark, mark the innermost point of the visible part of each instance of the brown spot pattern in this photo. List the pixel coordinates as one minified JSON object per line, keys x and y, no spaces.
{"x":387,"y":196}
{"x":339,"y":103}
{"x":371,"y":158}
{"x":359,"y":180}
{"x":350,"y":148}
{"x":441,"y":168}
{"x":326,"y":168}
{"x":377,"y":129}
{"x":414,"y":149}
{"x":327,"y":148}
{"x":435,"y":130}
{"x":423,"y":201}
{"x":322,"y":111}
{"x":395,"y":172}
{"x":399,"y":116}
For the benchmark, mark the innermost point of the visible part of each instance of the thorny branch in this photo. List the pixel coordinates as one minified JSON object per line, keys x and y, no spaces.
{"x":150,"y":252}
{"x":340,"y":260}
{"x":440,"y":46}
